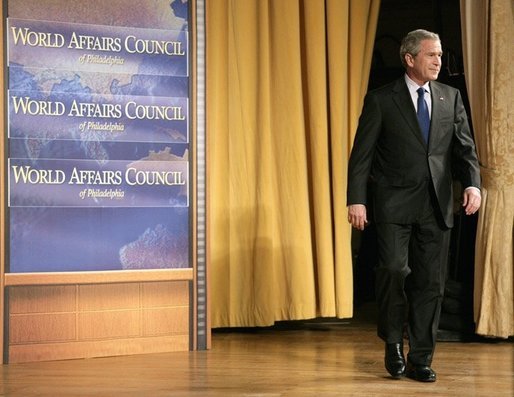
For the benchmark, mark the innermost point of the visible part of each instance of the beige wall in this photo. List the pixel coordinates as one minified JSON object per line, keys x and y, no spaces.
{"x":51,"y":322}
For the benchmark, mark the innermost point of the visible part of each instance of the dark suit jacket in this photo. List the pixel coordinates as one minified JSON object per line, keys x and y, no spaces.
{"x":389,"y":152}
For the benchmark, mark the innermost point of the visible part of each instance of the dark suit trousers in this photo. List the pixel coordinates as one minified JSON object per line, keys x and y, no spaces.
{"x":410,"y":278}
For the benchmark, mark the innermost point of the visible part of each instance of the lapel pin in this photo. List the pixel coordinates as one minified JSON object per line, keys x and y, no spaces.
{"x":441,"y":98}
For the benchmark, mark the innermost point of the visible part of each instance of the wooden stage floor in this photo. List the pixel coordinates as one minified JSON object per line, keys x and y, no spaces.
{"x":340,"y":358}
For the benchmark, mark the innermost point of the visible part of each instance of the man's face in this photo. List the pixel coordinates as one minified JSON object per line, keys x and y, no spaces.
{"x":425,"y":66}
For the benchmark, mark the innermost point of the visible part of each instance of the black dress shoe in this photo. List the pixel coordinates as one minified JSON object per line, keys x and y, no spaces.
{"x":394,"y":359}
{"x":421,"y":373}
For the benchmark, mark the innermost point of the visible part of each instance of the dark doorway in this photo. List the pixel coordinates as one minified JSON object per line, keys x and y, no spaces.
{"x":396,"y":18}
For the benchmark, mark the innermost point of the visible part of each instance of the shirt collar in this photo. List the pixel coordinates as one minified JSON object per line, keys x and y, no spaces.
{"x":414,"y":86}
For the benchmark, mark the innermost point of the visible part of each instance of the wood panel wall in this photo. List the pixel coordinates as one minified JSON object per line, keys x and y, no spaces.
{"x":2,"y":187}
{"x":54,"y":316}
{"x":55,"y":322}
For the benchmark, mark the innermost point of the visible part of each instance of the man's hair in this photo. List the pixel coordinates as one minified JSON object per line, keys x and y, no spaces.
{"x":411,"y":44}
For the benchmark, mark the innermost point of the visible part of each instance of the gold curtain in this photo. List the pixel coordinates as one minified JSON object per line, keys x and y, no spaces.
{"x":285,"y":84}
{"x":488,"y":31}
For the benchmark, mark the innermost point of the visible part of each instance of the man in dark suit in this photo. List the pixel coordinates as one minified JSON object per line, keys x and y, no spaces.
{"x":413,"y":138}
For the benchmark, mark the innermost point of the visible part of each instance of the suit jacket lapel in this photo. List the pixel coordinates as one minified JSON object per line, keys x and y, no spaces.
{"x":438,"y":110}
{"x":404,"y":103}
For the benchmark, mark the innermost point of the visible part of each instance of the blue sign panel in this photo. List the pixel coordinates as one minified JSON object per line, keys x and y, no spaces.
{"x":98,"y":139}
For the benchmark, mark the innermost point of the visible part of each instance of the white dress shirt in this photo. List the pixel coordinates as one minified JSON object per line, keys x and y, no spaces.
{"x":413,"y":90}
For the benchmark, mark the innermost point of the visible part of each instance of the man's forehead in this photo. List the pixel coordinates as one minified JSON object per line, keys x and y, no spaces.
{"x":432,"y":45}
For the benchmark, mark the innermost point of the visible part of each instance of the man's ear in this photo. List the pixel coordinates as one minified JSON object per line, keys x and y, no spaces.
{"x":409,"y":59}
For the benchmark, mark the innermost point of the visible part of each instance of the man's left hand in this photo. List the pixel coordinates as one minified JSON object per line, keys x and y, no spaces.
{"x":471,"y":200}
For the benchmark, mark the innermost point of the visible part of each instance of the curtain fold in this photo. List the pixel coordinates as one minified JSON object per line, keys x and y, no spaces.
{"x":487,"y":32}
{"x":285,"y":84}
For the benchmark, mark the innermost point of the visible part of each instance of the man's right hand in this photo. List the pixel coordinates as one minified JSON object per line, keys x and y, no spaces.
{"x":357,"y":216}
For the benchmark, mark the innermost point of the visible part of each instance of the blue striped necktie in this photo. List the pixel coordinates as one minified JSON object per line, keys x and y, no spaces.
{"x":423,"y":116}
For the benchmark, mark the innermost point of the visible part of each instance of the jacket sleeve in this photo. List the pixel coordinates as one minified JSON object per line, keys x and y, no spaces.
{"x":363,"y":151}
{"x":465,"y":160}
